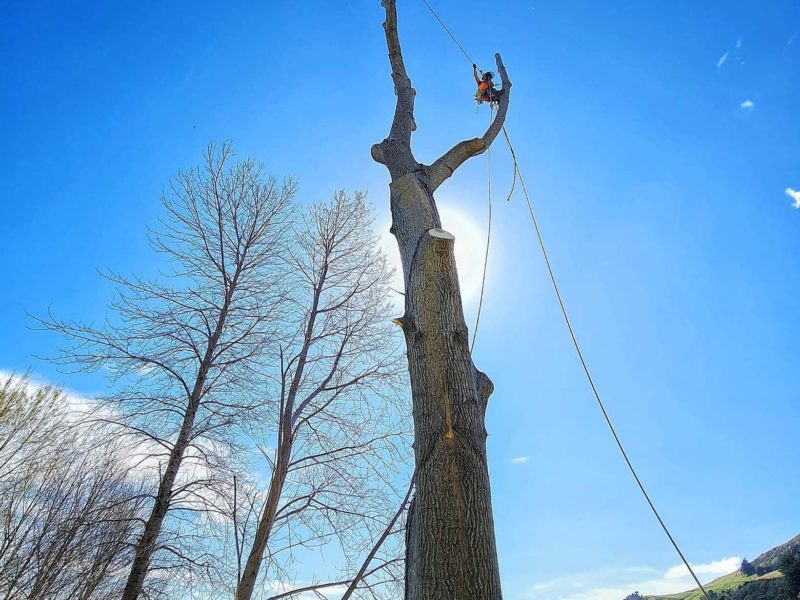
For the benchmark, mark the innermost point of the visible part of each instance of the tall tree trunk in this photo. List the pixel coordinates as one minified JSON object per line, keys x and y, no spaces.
{"x":247,"y":582}
{"x":451,"y":553}
{"x":147,"y":542}
{"x":146,"y":545}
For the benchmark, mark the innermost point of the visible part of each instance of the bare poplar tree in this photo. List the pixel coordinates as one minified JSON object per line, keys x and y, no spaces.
{"x":68,"y":511}
{"x":378,"y":546}
{"x":183,"y":350}
{"x":337,"y":434}
{"x":451,"y":551}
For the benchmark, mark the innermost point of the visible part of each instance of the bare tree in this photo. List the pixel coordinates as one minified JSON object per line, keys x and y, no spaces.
{"x":183,"y":351}
{"x":68,"y":511}
{"x":365,"y":570}
{"x":337,"y":441}
{"x":451,"y":552}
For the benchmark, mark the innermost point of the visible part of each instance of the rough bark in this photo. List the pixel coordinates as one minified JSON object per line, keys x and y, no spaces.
{"x":451,"y":553}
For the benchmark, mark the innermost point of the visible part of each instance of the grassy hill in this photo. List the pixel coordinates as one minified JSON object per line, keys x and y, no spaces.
{"x":766,"y":563}
{"x":731,"y":581}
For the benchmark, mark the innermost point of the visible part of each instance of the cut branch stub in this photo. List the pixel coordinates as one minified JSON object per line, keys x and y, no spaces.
{"x":413,"y":212}
{"x":452,"y":551}
{"x":439,"y":337}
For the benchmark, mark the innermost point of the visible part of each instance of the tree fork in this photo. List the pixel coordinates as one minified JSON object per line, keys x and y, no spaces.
{"x":451,"y":552}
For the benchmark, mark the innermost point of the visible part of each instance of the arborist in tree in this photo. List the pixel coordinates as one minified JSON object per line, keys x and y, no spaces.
{"x":486,"y":90}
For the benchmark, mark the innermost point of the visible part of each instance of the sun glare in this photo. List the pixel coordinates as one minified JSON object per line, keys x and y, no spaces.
{"x":469,"y":250}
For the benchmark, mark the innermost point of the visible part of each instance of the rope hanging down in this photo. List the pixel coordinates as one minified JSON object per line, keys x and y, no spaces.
{"x":568,"y":322}
{"x":488,"y":239}
{"x":589,"y":375}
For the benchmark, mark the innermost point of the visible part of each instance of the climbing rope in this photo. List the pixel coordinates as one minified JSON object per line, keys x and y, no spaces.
{"x":516,"y":166}
{"x":565,"y":315}
{"x":452,"y":37}
{"x":488,"y":238}
{"x":586,"y":368}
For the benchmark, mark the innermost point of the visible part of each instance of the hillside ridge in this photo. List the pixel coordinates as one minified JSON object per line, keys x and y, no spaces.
{"x":767,"y":564}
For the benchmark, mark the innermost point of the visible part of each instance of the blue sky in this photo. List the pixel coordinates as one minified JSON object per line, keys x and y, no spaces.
{"x":662,"y":193}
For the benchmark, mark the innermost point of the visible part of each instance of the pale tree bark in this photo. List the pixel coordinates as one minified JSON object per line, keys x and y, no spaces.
{"x":451,"y":552}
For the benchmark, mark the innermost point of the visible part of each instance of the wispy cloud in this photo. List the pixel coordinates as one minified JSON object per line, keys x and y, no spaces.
{"x":144,"y":458}
{"x":520,"y":460}
{"x":714,"y":569}
{"x":736,"y":54}
{"x":615,"y":584}
{"x":791,"y":40}
{"x":794,"y":195}
{"x":748,"y":104}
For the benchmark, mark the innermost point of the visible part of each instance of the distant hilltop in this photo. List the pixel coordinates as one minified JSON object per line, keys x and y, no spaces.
{"x":771,"y":558}
{"x":759,"y":579}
